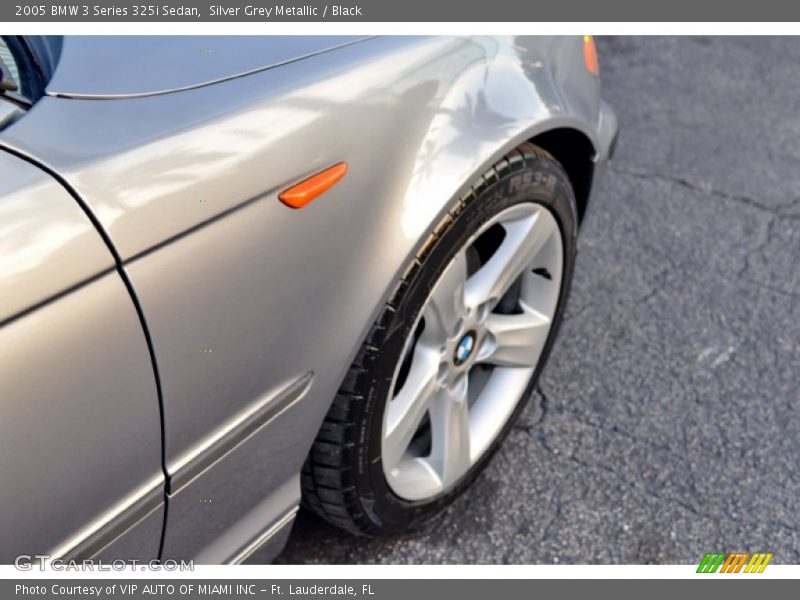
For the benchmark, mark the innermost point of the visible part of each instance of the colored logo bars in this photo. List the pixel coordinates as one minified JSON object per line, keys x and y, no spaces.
{"x":734,"y":561}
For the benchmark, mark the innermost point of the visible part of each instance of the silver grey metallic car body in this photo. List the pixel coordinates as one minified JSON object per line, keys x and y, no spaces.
{"x":171,"y":335}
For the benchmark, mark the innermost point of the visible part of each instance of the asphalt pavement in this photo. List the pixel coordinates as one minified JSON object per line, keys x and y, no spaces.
{"x":667,"y":422}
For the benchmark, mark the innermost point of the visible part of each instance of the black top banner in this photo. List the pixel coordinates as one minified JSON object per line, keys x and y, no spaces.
{"x":398,"y":11}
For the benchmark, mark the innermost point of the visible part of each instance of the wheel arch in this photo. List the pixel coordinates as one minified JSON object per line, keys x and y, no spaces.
{"x":576,"y":153}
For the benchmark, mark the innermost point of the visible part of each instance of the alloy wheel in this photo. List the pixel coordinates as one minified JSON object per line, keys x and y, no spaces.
{"x":473,"y":350}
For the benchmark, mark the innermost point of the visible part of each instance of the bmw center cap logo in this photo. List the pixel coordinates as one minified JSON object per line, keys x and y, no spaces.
{"x":464,"y":348}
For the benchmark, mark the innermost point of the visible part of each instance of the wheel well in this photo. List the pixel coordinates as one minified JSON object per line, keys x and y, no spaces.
{"x":576,"y":154}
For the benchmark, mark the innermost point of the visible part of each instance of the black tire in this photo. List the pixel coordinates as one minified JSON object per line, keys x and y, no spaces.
{"x":342,"y":478}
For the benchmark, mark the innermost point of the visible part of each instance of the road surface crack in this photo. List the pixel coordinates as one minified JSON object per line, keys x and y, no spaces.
{"x":782,"y":211}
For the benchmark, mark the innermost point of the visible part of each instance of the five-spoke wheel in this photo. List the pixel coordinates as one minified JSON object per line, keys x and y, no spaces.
{"x":475,"y":346}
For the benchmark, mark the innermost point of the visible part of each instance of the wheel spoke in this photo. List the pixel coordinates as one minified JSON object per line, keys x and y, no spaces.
{"x":514,"y":340}
{"x":450,"y":448}
{"x":446,"y":303}
{"x":524,"y":239}
{"x":410,"y":404}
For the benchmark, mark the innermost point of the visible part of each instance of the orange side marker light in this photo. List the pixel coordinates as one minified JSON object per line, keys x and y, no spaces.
{"x":590,"y":56}
{"x":307,"y":190}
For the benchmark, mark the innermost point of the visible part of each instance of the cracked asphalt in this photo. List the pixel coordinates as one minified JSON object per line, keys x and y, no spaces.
{"x":666,"y":421}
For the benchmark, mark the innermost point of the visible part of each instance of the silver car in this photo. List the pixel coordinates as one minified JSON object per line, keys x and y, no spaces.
{"x":241,"y":274}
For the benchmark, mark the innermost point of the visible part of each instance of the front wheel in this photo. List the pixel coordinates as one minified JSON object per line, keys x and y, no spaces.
{"x":448,"y":366}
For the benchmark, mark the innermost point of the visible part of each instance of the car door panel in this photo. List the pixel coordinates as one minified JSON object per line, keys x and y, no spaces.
{"x":80,"y":448}
{"x":79,"y":439}
{"x":47,"y":244}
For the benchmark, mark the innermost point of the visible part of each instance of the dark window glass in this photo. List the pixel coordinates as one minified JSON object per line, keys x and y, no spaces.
{"x":19,"y":65}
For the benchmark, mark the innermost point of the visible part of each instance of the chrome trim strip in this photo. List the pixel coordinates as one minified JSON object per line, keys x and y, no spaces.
{"x":114,"y":523}
{"x":198,"y":459}
{"x":262,"y":539}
